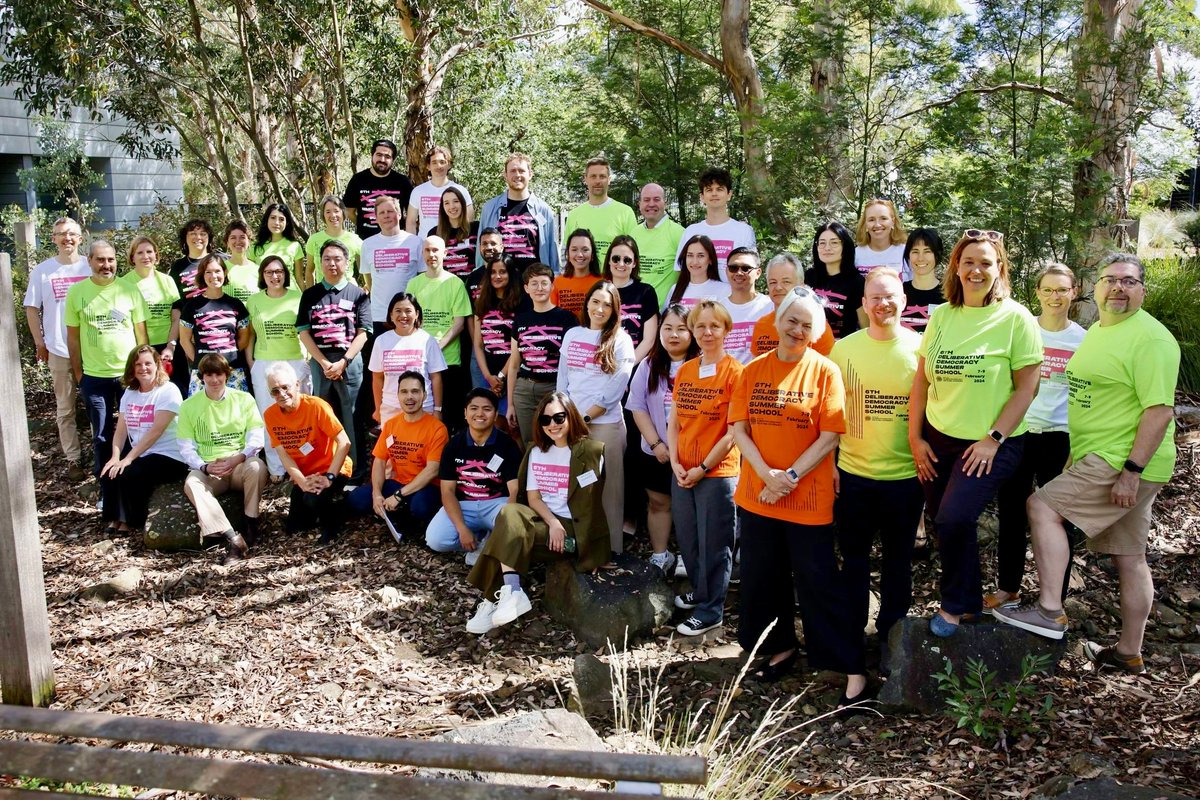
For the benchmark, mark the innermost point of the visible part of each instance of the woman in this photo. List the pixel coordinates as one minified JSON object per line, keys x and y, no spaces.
{"x":214,"y":322}
{"x":1047,"y":448}
{"x":403,"y":347}
{"x":698,"y":273}
{"x":458,"y":232}
{"x":977,"y":374}
{"x":273,"y":312}
{"x":558,"y":514}
{"x":922,"y":254}
{"x":580,"y":273}
{"x":880,"y":238}
{"x":277,"y":237}
{"x":243,"y":273}
{"x":146,"y":455}
{"x":787,"y":412}
{"x":594,"y":370}
{"x":835,"y":279}
{"x":195,"y":240}
{"x":639,"y":303}
{"x":704,"y":465}
{"x":333,"y":215}
{"x":500,"y":297}
{"x":159,"y":292}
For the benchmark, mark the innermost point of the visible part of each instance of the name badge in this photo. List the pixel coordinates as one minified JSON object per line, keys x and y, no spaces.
{"x":708,"y":372}
{"x":346,"y":304}
{"x":391,"y":440}
{"x":119,"y":316}
{"x":306,"y":448}
{"x":494,"y":464}
{"x":588,"y":478}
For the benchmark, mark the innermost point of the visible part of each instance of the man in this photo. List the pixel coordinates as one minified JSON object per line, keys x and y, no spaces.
{"x":365,"y":188}
{"x":333,"y":322}
{"x":426,"y":199}
{"x":411,"y":445}
{"x":524,"y":220}
{"x":784,"y":273}
{"x":878,"y":487}
{"x":389,"y":260}
{"x":491,"y":247}
{"x":445,"y":307}
{"x":604,"y":217}
{"x":45,"y":304}
{"x":745,"y":305}
{"x":105,"y":319}
{"x":478,"y":474}
{"x":658,"y":240}
{"x":1120,"y":414}
{"x":716,"y":190}
{"x":313,"y":447}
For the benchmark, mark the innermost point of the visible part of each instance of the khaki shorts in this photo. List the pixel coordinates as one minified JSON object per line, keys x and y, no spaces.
{"x":1082,"y":495}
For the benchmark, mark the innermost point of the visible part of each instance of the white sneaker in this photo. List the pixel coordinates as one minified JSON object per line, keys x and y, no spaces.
{"x":665,"y":562}
{"x":510,"y":605}
{"x":472,"y":556}
{"x":680,"y":568}
{"x":482,"y":621}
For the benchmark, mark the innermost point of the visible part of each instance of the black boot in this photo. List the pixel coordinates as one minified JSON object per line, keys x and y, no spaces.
{"x":252,"y":533}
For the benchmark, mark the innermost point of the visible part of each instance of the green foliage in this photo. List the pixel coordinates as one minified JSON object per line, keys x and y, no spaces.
{"x":1191,"y":230}
{"x":1173,"y":298}
{"x":90,"y":789}
{"x":990,"y":710}
{"x":62,"y":171}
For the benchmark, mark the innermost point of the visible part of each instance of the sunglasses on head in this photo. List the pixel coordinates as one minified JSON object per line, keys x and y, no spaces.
{"x":976,"y":233}
{"x":620,"y":259}
{"x":739,"y":268}
{"x":557,"y":419}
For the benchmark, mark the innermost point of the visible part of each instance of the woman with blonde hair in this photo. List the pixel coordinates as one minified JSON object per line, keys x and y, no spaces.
{"x":880,"y":236}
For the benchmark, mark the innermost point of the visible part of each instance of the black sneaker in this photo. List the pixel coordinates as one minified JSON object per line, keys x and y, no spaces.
{"x":686,"y":601}
{"x":694,"y":626}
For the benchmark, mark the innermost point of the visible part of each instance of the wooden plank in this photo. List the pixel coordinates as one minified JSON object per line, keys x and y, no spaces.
{"x":76,"y":763}
{"x":26,"y":666}
{"x":33,"y":794}
{"x":375,"y":749}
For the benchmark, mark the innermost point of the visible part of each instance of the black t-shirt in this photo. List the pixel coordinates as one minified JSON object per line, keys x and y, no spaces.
{"x":920,"y":303}
{"x":333,"y":317}
{"x":365,"y":188}
{"x":639,"y":304}
{"x":480,"y":473}
{"x":460,"y":256}
{"x":539,"y":338}
{"x":215,"y":325}
{"x":843,"y":294}
{"x":520,"y":231}
{"x":183,"y":272}
{"x":496,"y":332}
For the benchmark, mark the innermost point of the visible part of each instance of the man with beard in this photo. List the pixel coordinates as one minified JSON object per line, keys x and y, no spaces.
{"x":366,"y":187}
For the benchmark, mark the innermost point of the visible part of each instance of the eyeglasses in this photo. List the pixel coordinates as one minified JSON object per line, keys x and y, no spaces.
{"x":278,"y":390}
{"x":620,"y":259}
{"x":1054,"y":292}
{"x":1126,"y":283}
{"x":740,"y":268}
{"x":976,"y":233}
{"x":557,"y":419}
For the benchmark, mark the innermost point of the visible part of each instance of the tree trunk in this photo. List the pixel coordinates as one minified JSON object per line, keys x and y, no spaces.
{"x":826,"y":82}
{"x":741,"y":70}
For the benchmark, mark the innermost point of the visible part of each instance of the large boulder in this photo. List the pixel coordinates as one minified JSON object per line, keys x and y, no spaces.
{"x":1109,"y":789}
{"x":611,"y":605}
{"x":916,"y":656}
{"x":592,"y":695}
{"x":172,"y":525}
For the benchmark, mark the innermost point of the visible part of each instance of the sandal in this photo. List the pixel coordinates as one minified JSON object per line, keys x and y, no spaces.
{"x":767,"y":672}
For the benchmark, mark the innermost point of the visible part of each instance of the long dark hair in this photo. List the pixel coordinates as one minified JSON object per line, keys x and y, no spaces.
{"x":289,"y":230}
{"x":847,"y":239}
{"x":623,"y":241}
{"x":606,"y":349}
{"x":660,"y":359}
{"x":593,"y":265}
{"x":488,"y":300}
{"x":445,"y":228}
{"x":685,"y":277}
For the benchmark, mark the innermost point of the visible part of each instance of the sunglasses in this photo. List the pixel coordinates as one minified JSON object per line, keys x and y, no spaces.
{"x":557,"y":419}
{"x":620,"y":259}
{"x":976,"y":233}
{"x":740,"y":268}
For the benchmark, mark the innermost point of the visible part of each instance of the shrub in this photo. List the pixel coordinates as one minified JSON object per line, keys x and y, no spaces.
{"x":1173,"y":298}
{"x":994,"y":711}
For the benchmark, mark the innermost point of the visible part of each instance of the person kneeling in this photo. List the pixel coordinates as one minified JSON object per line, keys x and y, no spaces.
{"x":313,"y":448}
{"x":560,"y":514}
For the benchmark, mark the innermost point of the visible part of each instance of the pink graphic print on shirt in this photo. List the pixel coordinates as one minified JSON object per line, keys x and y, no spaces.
{"x":1054,"y":364}
{"x":475,"y":480}
{"x":581,"y":355}
{"x":399,"y":359}
{"x":390,"y":259}
{"x":495,"y":331}
{"x":139,"y":418}
{"x":332,"y":326}
{"x":520,"y":231}
{"x":458,"y":261}
{"x":536,"y":357}
{"x":834,"y":301}
{"x":217,"y":330}
{"x":739,"y":336}
{"x":59,"y":284}
{"x":552,"y":480}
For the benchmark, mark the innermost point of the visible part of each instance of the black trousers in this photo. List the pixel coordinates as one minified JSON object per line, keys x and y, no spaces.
{"x":326,"y":510}
{"x":127,"y":499}
{"x":1044,"y":458}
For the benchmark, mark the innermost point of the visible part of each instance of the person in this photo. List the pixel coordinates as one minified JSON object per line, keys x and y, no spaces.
{"x":241,"y":273}
{"x":833,"y":277}
{"x":978,"y":372}
{"x":880,"y":239}
{"x":784,"y":273}
{"x":105,"y":319}
{"x":639,"y":303}
{"x":410,"y":447}
{"x":1120,"y":413}
{"x":878,"y":490}
{"x":658,"y":238}
{"x":535,"y":350}
{"x":559,"y":513}
{"x":273,"y":340}
{"x":195,"y":240}
{"x":596,"y":364}
{"x":145,"y":454}
{"x":214,"y":322}
{"x":745,"y":305}
{"x":923,"y":292}
{"x":390,"y":259}
{"x":459,"y":233}
{"x":333,"y":218}
{"x":524,"y":220}
{"x":277,"y":236}
{"x":787,"y":412}
{"x":159,"y":292}
{"x":313,"y":448}
{"x":45,"y":309}
{"x":581,"y":273}
{"x":427,"y":200}
{"x":333,"y":320}
{"x":491,"y":248}
{"x":369,"y":186}
{"x":445,"y":308}
{"x":651,"y":398}
{"x":220,"y":434}
{"x":698,"y":276}
{"x":405,"y":348}
{"x":604,"y":217}
{"x":725,"y":233}
{"x":478,"y":476}
{"x":492,"y":328}
{"x":704,"y":467}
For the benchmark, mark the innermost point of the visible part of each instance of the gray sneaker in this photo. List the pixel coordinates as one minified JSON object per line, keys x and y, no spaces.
{"x":1033,"y":618}
{"x":665,"y":562}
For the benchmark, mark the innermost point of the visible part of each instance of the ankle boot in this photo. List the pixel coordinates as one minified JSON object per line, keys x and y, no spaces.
{"x":235,"y":546}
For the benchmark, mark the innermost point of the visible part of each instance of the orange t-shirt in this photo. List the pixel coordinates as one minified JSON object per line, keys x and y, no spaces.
{"x":569,"y":293}
{"x":765,"y":337}
{"x":308,"y":434}
{"x":787,"y":406}
{"x":701,"y":408}
{"x":410,"y":446}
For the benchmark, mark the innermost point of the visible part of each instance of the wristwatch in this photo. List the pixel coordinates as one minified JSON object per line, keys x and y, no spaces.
{"x":330,"y":476}
{"x":586,"y":418}
{"x":1134,"y":467}
{"x":996,"y":436}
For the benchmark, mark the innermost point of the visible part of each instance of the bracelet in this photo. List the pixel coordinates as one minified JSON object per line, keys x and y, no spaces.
{"x":1134,"y":467}
{"x":656,"y":444}
{"x":437,"y":408}
{"x":204,"y":468}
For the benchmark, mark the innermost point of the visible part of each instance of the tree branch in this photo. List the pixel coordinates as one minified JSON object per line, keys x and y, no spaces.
{"x":1012,"y":85}
{"x":655,"y":33}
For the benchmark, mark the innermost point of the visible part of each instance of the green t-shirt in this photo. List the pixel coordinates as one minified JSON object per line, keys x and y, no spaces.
{"x":292,"y":253}
{"x":970,"y":356}
{"x":1117,"y":373}
{"x":218,"y":427}
{"x":606,"y":222}
{"x":878,"y":376}
{"x":656,"y":250}
{"x":159,"y":292}
{"x":313,"y":249}
{"x":441,"y":301}
{"x":274,"y":321}
{"x":105,"y":316}
{"x":241,"y":280}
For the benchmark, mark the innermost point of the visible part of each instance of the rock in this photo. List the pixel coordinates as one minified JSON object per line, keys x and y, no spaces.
{"x":330,"y":691}
{"x":1077,"y":610}
{"x":172,"y":523}
{"x":593,"y":686}
{"x":1169,"y":616}
{"x":1088,"y":765}
{"x":1189,"y":648}
{"x":1053,"y":787}
{"x":103,"y":548}
{"x":1109,"y":789}
{"x":612,"y":605}
{"x":917,"y":655}
{"x":125,"y":582}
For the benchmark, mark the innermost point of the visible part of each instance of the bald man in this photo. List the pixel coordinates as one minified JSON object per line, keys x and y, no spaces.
{"x":658,"y":240}
{"x":445,"y":306}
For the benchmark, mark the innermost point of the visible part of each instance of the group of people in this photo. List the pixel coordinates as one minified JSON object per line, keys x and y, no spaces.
{"x":785,"y":432}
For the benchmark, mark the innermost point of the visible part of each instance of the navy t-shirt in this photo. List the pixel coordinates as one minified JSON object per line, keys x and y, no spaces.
{"x":480,"y":472}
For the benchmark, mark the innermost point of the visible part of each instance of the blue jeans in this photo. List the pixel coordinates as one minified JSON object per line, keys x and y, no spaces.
{"x":342,"y":396}
{"x":479,"y":515}
{"x":705,"y":520}
{"x":422,"y":504}
{"x":100,"y":398}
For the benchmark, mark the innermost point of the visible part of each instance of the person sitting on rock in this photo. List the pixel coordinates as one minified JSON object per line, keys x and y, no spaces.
{"x":559,"y":514}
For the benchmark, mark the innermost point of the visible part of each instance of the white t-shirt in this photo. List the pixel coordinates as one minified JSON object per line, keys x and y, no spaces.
{"x":550,"y":474}
{"x":741,"y":336}
{"x":695,"y":292}
{"x":47,"y":290}
{"x":427,"y":199}
{"x":1048,"y":411}
{"x":138,"y":409}
{"x":391,"y":261}
{"x":582,"y":379}
{"x":726,"y":237}
{"x":866,"y":259}
{"x":393,"y":355}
